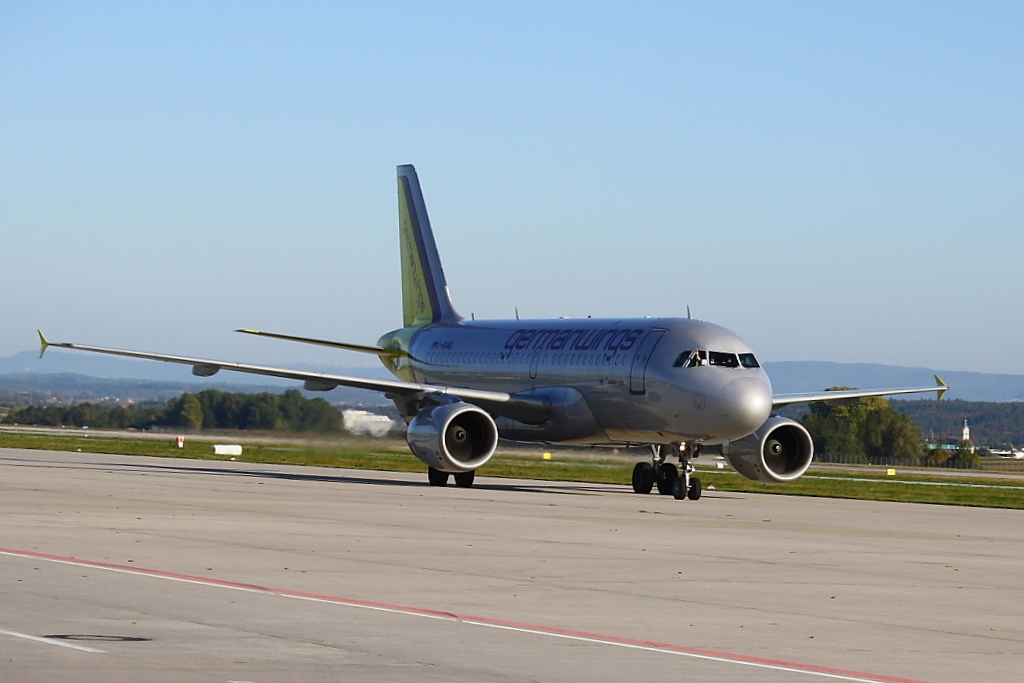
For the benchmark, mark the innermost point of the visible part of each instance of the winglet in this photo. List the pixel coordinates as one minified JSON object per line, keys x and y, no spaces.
{"x":44,"y":343}
{"x":943,"y":390}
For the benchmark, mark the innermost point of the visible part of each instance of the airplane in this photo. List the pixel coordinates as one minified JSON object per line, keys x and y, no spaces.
{"x":675,"y":385}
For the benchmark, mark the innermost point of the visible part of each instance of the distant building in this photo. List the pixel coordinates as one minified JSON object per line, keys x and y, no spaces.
{"x":952,"y":444}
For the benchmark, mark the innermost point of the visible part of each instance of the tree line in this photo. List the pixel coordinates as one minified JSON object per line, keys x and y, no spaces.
{"x":991,"y":424}
{"x":865,"y":431}
{"x":209,"y":409}
{"x":870,"y":430}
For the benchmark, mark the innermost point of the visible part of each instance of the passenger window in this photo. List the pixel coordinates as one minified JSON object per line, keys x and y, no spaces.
{"x":725,"y":360}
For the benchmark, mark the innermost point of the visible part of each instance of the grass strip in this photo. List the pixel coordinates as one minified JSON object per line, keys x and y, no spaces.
{"x":394,"y":456}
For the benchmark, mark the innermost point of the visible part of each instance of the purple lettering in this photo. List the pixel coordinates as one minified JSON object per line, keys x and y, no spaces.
{"x":514,"y":338}
{"x":570,"y":342}
{"x":543,"y":339}
{"x":559,"y":341}
{"x":524,"y":340}
{"x":614,"y":342}
{"x":630,"y":339}
{"x":584,"y":343}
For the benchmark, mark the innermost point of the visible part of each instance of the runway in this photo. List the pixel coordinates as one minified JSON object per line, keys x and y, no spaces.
{"x":119,"y":568}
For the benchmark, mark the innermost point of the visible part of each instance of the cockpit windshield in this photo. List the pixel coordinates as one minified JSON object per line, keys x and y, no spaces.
{"x":689,"y":359}
{"x":725,"y":360}
{"x":747,"y":360}
{"x":722,"y":359}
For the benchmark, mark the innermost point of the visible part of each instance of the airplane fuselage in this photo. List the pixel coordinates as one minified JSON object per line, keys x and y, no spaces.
{"x":609,"y":380}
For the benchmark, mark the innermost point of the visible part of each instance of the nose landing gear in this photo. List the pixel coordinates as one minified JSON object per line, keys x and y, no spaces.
{"x":667,"y":477}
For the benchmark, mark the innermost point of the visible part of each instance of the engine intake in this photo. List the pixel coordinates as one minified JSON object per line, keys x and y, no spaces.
{"x":780,"y":451}
{"x":453,"y":437}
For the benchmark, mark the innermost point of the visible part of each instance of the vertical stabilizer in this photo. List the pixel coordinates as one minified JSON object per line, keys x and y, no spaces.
{"x":425,"y":297}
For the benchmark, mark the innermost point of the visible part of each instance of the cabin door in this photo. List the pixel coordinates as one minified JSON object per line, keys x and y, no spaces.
{"x":637,"y":385}
{"x":534,"y":361}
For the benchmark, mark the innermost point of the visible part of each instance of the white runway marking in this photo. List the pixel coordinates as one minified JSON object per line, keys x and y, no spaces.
{"x":51,"y":641}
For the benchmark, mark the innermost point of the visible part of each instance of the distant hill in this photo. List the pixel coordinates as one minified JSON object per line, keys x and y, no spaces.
{"x":112,"y":367}
{"x":86,"y":377}
{"x":41,"y":389}
{"x":797,"y":376}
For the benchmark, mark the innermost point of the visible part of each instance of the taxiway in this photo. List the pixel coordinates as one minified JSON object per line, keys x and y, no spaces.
{"x":120,"y":568}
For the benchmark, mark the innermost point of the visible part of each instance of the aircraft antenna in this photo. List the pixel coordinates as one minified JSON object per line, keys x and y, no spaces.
{"x":517,"y":313}
{"x":688,"y":312}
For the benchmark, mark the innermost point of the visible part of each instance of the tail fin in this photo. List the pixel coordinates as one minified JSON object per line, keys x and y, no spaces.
{"x":425,"y":297}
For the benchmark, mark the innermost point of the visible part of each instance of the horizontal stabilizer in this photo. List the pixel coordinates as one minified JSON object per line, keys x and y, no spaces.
{"x":361,"y":348}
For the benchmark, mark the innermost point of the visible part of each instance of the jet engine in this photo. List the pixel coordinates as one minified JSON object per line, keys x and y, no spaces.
{"x":780,"y":451}
{"x":453,"y":437}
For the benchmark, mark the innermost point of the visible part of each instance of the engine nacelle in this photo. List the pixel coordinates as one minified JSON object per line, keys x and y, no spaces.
{"x":453,"y":437}
{"x":780,"y":451}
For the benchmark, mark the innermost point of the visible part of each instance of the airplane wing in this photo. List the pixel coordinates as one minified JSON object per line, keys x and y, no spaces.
{"x":499,"y":401}
{"x":850,"y":395}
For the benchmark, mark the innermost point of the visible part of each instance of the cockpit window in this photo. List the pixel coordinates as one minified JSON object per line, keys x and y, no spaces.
{"x":747,"y":360}
{"x":694,"y":359}
{"x":722,"y":359}
{"x":691,"y":359}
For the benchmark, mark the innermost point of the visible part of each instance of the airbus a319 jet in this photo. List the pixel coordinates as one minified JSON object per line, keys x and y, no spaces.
{"x":677,"y":385}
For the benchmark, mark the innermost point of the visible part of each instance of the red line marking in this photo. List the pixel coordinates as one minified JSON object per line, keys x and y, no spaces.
{"x":487,"y":621}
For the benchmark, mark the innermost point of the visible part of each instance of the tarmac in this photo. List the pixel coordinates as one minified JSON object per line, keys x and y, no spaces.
{"x":123,"y":568}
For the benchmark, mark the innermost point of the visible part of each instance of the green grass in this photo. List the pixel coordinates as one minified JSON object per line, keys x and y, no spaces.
{"x":865,"y":484}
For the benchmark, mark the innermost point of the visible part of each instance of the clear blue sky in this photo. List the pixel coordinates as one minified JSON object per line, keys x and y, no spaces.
{"x":832,"y":181}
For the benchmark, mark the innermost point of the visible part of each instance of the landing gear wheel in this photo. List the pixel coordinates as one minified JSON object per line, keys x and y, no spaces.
{"x":667,"y":475}
{"x":465,"y":479}
{"x":437,"y":477}
{"x":694,"y":492}
{"x":679,"y":489}
{"x":643,"y":477}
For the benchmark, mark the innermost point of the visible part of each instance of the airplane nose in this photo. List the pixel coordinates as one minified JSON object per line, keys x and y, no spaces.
{"x":747,"y":402}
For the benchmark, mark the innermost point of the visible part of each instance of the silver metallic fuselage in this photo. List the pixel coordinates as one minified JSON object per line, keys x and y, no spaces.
{"x":608,"y":380}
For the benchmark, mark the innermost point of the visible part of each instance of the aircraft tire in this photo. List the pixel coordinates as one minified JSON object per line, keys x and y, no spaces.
{"x":667,"y":475}
{"x":465,"y":479}
{"x":679,"y":489}
{"x":437,"y":477}
{"x":694,"y":492}
{"x":643,"y":477}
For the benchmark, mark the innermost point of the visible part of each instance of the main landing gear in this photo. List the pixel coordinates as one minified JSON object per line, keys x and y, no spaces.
{"x":462,"y":479}
{"x":665,"y":475}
